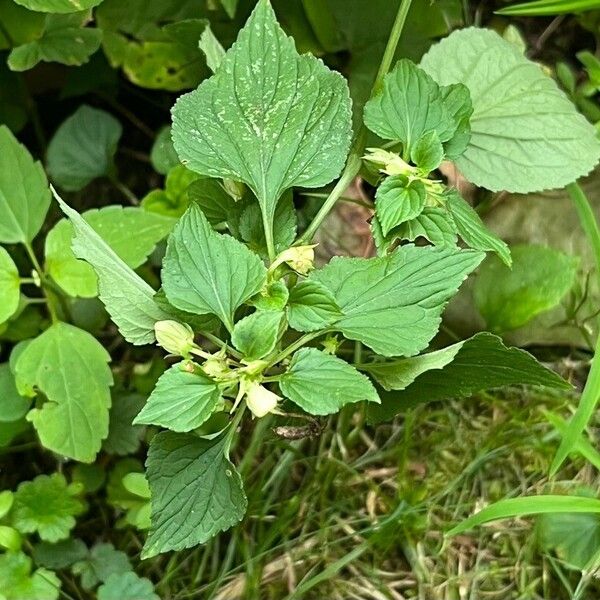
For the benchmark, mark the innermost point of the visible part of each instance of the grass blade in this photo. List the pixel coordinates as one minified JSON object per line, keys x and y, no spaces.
{"x":548,"y":8}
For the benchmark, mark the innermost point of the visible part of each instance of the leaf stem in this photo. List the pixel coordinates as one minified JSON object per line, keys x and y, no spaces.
{"x":591,"y":390}
{"x":357,"y":149}
{"x":301,"y":341}
{"x":43,"y":280}
{"x":131,"y":197}
{"x":268,"y":227}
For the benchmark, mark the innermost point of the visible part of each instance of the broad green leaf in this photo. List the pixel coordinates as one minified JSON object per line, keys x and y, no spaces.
{"x":434,"y":223}
{"x":60,"y":555}
{"x":182,"y":400}
{"x":210,"y":195}
{"x":137,"y":484}
{"x":427,"y":152}
{"x":46,"y":506}
{"x":525,"y":506}
{"x":409,"y":105}
{"x":74,"y":419}
{"x":128,"y":298}
{"x":19,"y":582}
{"x":472,"y":230}
{"x":65,"y":40}
{"x":103,"y":562}
{"x":322,"y":384}
{"x":24,"y":193}
{"x":526,"y":135}
{"x":397,"y":200}
{"x":196,"y":491}
{"x":58,"y":6}
{"x":83,"y":148}
{"x":13,"y":406}
{"x":256,"y":335}
{"x":114,"y":224}
{"x":127,"y":586}
{"x":10,"y":285}
{"x":480,"y":363}
{"x":268,"y":117}
{"x":162,"y":155}
{"x":124,"y":437}
{"x":457,"y":100}
{"x":274,"y":296}
{"x":312,"y":307}
{"x":18,"y":25}
{"x":393,"y":303}
{"x":508,"y":298}
{"x":205,"y":272}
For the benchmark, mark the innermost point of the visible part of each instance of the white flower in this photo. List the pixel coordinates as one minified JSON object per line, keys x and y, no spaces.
{"x":299,"y":258}
{"x":260,"y":400}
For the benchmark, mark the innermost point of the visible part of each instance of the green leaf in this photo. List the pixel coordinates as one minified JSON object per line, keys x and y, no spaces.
{"x":312,"y":307}
{"x":196,"y":491}
{"x":273,"y":296}
{"x":128,"y":299}
{"x":183,"y":399}
{"x":103,"y":562}
{"x":397,"y":200}
{"x":457,"y":101}
{"x":83,"y":148}
{"x":175,"y":198}
{"x":6,"y":502}
{"x":434,"y":223}
{"x":210,"y":195}
{"x":19,"y":25}
{"x":47,"y":506}
{"x":12,"y":405}
{"x":65,"y":40}
{"x":393,"y":303}
{"x":526,"y":135}
{"x":472,"y":230}
{"x":205,"y":272}
{"x":549,"y":7}
{"x":162,"y":155}
{"x":480,"y":363}
{"x":427,"y":153}
{"x":539,"y":278}
{"x":59,"y":555}
{"x":256,"y":335}
{"x":18,"y":582}
{"x":58,"y":6}
{"x":127,"y":586}
{"x":409,"y":105}
{"x":289,"y":123}
{"x":230,"y":7}
{"x":528,"y":505}
{"x":90,"y":477}
{"x":212,"y":48}
{"x":10,"y":285}
{"x":124,"y":437}
{"x":74,"y":419}
{"x":114,"y":224}
{"x":24,"y":193}
{"x":322,"y":384}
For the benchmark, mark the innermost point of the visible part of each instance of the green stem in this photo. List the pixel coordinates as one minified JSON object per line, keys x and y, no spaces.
{"x":591,"y":390}
{"x":43,"y":280}
{"x":295,"y":345}
{"x":268,"y":227}
{"x":237,"y":419}
{"x":131,"y":197}
{"x":358,"y":146}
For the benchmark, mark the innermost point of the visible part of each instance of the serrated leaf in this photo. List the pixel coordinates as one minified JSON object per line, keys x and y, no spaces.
{"x":83,"y":148}
{"x":272,"y":297}
{"x":65,"y":40}
{"x":13,"y":406}
{"x":58,"y":6}
{"x":322,"y":384}
{"x":103,"y":562}
{"x":434,"y":224}
{"x":19,"y":582}
{"x":409,"y":105}
{"x":539,"y":278}
{"x":480,"y":363}
{"x":526,"y":135}
{"x":427,"y":153}
{"x":472,"y":230}
{"x":24,"y":193}
{"x":255,"y":336}
{"x":59,"y":555}
{"x":46,"y":506}
{"x":182,"y":399}
{"x":393,"y":303}
{"x":398,"y":201}
{"x":457,"y":101}
{"x":123,"y":436}
{"x":289,"y":124}
{"x":211,"y":197}
{"x":128,"y":299}
{"x":10,"y":285}
{"x":114,"y":224}
{"x":127,"y":586}
{"x":74,"y":419}
{"x":196,"y":491}
{"x":312,"y":307}
{"x":205,"y":272}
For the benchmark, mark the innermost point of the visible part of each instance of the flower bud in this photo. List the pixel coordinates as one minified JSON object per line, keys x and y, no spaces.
{"x":388,"y":162}
{"x":176,"y":338}
{"x":299,"y":258}
{"x":260,"y":400}
{"x":216,"y":366}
